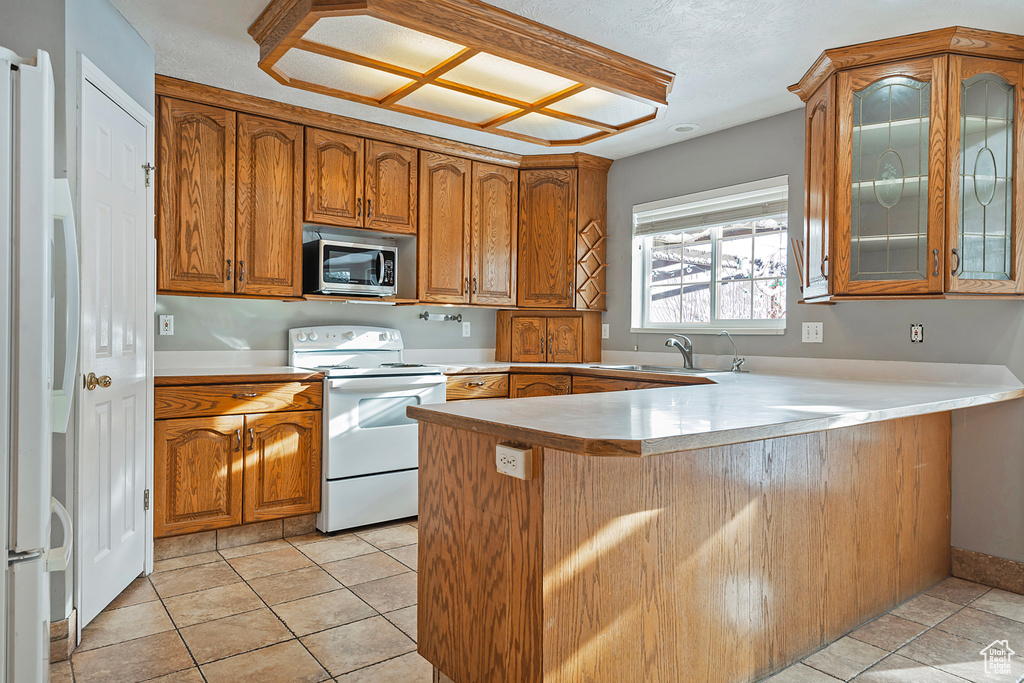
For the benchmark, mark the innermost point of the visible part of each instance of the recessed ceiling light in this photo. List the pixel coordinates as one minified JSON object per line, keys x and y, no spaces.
{"x":684,"y":127}
{"x":462,"y":62}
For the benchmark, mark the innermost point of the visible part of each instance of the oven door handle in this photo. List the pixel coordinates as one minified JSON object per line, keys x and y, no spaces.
{"x":361,"y":385}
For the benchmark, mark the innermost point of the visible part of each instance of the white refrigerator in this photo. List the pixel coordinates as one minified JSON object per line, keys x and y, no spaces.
{"x":37,"y":242}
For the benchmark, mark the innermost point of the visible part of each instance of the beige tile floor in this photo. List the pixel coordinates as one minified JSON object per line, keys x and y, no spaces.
{"x":343,"y":608}
{"x":310,"y":608}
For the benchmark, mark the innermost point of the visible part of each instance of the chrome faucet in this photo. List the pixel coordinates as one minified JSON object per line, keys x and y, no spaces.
{"x":685,"y":347}
{"x":737,"y":359}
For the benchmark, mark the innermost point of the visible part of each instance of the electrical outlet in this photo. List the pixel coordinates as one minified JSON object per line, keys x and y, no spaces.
{"x":465,"y":329}
{"x":513,"y":461}
{"x":916,"y":333}
{"x":813,"y":333}
{"x":167,"y":325}
{"x":606,"y":330}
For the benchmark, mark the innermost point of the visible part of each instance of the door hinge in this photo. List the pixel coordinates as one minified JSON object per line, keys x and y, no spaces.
{"x":145,"y":500}
{"x":148,"y":168}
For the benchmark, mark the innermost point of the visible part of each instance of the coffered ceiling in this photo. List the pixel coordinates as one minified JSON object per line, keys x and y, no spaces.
{"x":733,"y":59}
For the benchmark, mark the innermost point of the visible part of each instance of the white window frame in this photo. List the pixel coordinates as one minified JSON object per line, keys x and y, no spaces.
{"x":641,"y":264}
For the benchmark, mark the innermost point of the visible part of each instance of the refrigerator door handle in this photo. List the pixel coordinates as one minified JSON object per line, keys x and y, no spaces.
{"x":60,"y":401}
{"x":58,"y":559}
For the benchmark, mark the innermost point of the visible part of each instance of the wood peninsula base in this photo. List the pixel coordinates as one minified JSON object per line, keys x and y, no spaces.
{"x":722,"y":564}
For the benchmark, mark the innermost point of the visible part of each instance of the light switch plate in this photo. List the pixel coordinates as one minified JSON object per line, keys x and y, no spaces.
{"x":606,"y":330}
{"x":813,"y":333}
{"x":166,"y":325}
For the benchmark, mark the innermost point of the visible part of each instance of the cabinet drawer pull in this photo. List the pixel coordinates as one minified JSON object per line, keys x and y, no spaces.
{"x":238,"y":440}
{"x":476,"y":384}
{"x":244,"y":395}
{"x":957,"y":266}
{"x":230,"y":271}
{"x":252,"y":439}
{"x":935,"y":253}
{"x":824,"y":273}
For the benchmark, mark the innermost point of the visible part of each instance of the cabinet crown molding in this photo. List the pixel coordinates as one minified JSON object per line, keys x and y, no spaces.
{"x":953,"y":40}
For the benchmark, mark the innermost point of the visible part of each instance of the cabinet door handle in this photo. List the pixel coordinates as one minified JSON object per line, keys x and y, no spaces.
{"x":359,"y":208}
{"x":824,"y":273}
{"x":935,"y":253}
{"x":474,"y":285}
{"x":252,"y":439}
{"x":465,"y":286}
{"x":241,"y":271}
{"x":957,"y":266}
{"x":542,"y":346}
{"x":238,"y":440}
{"x":551,"y":344}
{"x":244,"y":395}
{"x":230,"y":271}
{"x":369,"y":208}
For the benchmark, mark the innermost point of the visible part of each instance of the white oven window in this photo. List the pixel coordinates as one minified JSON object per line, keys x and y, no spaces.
{"x":385,"y":412}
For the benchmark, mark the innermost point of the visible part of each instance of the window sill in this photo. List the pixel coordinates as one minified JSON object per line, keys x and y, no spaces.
{"x":708,"y":329}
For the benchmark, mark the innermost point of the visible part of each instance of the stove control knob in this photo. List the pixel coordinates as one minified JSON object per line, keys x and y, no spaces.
{"x":313,"y":336}
{"x":301,"y":336}
{"x":383,"y":336}
{"x":349,"y":335}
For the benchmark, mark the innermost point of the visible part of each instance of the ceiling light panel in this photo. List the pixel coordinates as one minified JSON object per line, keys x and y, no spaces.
{"x":437,"y":100}
{"x":604,"y":107}
{"x":548,"y":128}
{"x":382,"y":41}
{"x":439,"y":59}
{"x":508,"y":79}
{"x":339,"y":75}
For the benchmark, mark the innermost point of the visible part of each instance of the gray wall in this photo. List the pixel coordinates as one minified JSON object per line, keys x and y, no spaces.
{"x":212,"y":324}
{"x":988,"y":455}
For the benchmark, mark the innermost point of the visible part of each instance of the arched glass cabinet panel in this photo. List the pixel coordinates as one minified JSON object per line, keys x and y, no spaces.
{"x":984,"y":96}
{"x":890,"y":178}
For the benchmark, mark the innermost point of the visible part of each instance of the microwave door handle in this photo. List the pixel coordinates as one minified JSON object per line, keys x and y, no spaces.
{"x":380,"y":267}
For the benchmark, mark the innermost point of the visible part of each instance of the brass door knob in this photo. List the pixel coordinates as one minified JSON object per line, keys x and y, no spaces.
{"x":91,"y":381}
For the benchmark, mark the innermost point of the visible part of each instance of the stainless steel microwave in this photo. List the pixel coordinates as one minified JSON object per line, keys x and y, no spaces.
{"x":332,"y":267}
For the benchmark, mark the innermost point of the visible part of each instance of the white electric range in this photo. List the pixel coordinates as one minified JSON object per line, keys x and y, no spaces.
{"x":370,"y":446}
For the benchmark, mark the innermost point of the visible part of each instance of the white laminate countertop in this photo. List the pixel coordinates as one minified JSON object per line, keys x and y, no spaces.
{"x":739,"y":407}
{"x":187,"y":371}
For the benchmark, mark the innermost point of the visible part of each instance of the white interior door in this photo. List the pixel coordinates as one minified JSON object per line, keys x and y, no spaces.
{"x":113,"y":447}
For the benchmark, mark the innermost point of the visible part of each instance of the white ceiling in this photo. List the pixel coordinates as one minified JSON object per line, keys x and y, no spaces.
{"x":733,"y":59}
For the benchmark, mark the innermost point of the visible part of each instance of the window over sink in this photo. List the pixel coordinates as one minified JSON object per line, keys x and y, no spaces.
{"x":713,"y":260}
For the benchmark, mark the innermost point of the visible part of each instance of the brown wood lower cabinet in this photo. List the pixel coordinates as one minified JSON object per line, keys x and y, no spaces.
{"x":524,"y":386}
{"x":197,"y":483}
{"x":216,"y":471}
{"x":594,"y":385}
{"x":282,"y":465}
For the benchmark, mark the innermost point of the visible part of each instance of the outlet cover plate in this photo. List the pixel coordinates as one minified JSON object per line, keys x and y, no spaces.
{"x":514,"y":461}
{"x":465,"y":329}
{"x":166,"y":325}
{"x":813,"y":333}
{"x":916,"y":333}
{"x":606,"y":330}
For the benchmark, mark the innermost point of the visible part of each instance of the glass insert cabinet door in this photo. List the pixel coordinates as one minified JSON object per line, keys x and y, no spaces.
{"x":986,"y":158}
{"x":890,"y":178}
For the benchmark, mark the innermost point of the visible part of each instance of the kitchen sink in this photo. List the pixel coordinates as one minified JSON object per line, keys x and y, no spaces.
{"x":673,"y":369}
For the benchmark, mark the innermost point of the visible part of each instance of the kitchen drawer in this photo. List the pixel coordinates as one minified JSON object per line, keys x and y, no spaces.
{"x":236,"y":399}
{"x":594,"y":385}
{"x":477,"y":386}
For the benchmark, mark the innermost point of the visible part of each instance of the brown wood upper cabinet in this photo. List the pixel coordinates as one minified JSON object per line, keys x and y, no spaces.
{"x":915,"y":183}
{"x":467,"y":250}
{"x":208,"y":239}
{"x":562,"y":232}
{"x":357,"y":183}
{"x":196,"y":217}
{"x":548,"y":337}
